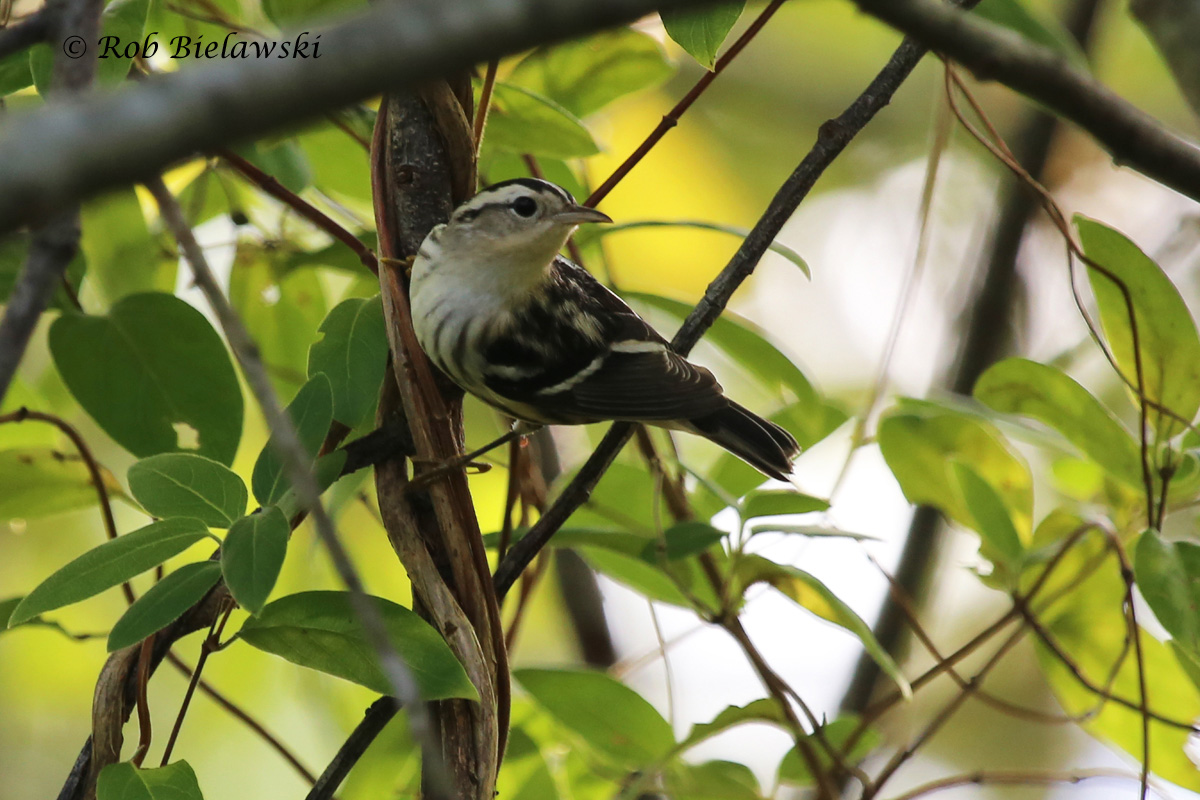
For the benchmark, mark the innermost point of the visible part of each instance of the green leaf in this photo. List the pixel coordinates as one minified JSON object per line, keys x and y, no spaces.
{"x":525,"y":774}
{"x":124,"y":781}
{"x":284,"y":161}
{"x":1168,"y":576}
{"x":110,"y":564}
{"x":1168,"y":343}
{"x":612,"y":718}
{"x":771,"y":502}
{"x":1045,"y":31}
{"x":815,"y":531}
{"x":585,"y":75}
{"x":14,"y":73}
{"x":776,"y":246}
{"x":321,"y":631}
{"x":638,"y":574}
{"x":40,"y":481}
{"x":311,"y":412}
{"x":7,"y":607}
{"x":353,"y":355}
{"x":701,"y":33}
{"x":124,"y":19}
{"x":123,"y":257}
{"x":252,"y":556}
{"x":286,"y":13}
{"x":682,"y":540}
{"x":187,"y":485}
{"x":1020,"y":386}
{"x":811,"y":594}
{"x":164,"y":603}
{"x":14,"y":249}
{"x":327,"y":471}
{"x":712,"y":780}
{"x":523,"y":122}
{"x":793,"y":770}
{"x":762,"y":710}
{"x":1002,"y":543}
{"x":921,"y":443}
{"x":172,"y":369}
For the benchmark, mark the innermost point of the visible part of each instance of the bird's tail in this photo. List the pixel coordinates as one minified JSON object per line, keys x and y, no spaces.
{"x":760,"y":443}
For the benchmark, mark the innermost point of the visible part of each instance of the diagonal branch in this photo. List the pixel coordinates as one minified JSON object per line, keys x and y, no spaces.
{"x":25,"y":34}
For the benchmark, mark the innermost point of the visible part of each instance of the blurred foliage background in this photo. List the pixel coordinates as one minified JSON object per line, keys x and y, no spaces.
{"x":857,"y":233}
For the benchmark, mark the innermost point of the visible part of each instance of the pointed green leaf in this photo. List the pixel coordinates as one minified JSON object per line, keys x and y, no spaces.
{"x":793,"y":770}
{"x":321,"y":631}
{"x":187,"y":485}
{"x":353,"y":355}
{"x":252,"y":556}
{"x":770,"y":502}
{"x":164,"y":603}
{"x":524,"y":122}
{"x":682,"y":540}
{"x":1168,"y":344}
{"x":327,"y":471}
{"x":171,"y":366}
{"x":585,"y":75}
{"x":701,"y":33}
{"x":1020,"y":386}
{"x":40,"y":481}
{"x":612,"y":718}
{"x":110,"y":564}
{"x":992,"y":520}
{"x":1168,"y":576}
{"x":635,"y":572}
{"x":811,"y":594}
{"x":124,"y":781}
{"x":762,"y":710}
{"x":711,"y":780}
{"x":311,"y":412}
{"x":815,"y":531}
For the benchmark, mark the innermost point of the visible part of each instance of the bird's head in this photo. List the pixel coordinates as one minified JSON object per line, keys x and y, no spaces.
{"x":519,"y":222}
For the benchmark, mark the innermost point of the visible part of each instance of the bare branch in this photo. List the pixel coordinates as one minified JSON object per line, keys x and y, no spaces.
{"x":25,"y":34}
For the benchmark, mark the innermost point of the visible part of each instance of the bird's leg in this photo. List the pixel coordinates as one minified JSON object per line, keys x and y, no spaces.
{"x":403,"y":264}
{"x":520,"y":429}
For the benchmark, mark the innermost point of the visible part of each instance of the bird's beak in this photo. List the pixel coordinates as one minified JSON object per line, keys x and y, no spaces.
{"x":578,"y":215}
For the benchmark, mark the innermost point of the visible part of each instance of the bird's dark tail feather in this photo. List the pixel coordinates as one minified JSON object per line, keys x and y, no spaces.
{"x":760,"y":443}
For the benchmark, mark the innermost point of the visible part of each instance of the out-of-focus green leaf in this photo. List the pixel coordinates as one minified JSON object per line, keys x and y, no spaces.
{"x":701,"y":33}
{"x":770,"y":502}
{"x":164,"y":603}
{"x":123,"y":19}
{"x":40,"y":481}
{"x":612,"y":718}
{"x":252,"y":556}
{"x":733,"y":230}
{"x":682,"y":540}
{"x":353,"y":356}
{"x":1167,"y":340}
{"x":638,"y":574}
{"x":763,"y":710}
{"x":922,"y":444}
{"x":327,"y":471}
{"x":14,"y":73}
{"x":158,"y":349}
{"x":124,"y":781}
{"x":286,"y":13}
{"x":1047,"y":32}
{"x":712,"y":780}
{"x":500,"y":165}
{"x":321,"y":631}
{"x":793,"y":770}
{"x":1002,"y":543}
{"x":585,"y":75}
{"x":337,"y":161}
{"x":810,"y":593}
{"x":1089,"y":625}
{"x":311,"y":412}
{"x":1168,"y":576}
{"x":110,"y":564}
{"x":281,"y":313}
{"x":521,"y":121}
{"x":525,"y":774}
{"x":336,"y":256}
{"x":284,"y":161}
{"x":815,"y":531}
{"x":1020,"y":386}
{"x":6,"y":611}
{"x":123,"y":258}
{"x":188,"y":485}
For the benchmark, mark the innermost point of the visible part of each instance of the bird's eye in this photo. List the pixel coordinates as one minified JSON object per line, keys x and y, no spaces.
{"x":525,"y":206}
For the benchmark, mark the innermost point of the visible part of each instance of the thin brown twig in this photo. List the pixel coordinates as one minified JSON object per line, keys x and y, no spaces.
{"x":485,"y":103}
{"x":671,"y":118}
{"x":145,"y":728}
{"x":210,"y":644}
{"x":1010,"y":778}
{"x":93,"y":468}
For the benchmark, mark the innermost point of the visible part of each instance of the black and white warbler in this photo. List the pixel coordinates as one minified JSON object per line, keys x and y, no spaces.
{"x":511,"y":321}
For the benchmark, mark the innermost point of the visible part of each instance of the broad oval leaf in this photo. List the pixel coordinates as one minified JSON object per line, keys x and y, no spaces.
{"x":353,"y":356}
{"x":701,"y":33}
{"x":524,"y":122}
{"x":585,"y":75}
{"x":110,"y":564}
{"x":124,"y":781}
{"x":311,"y":412}
{"x":1169,"y":347}
{"x":612,"y":718}
{"x":810,"y":593}
{"x":1168,"y":576}
{"x":172,"y":369}
{"x":321,"y":631}
{"x":40,"y":481}
{"x":164,"y":603}
{"x":771,"y":502}
{"x":187,"y":485}
{"x":838,"y":733}
{"x":1021,"y":386}
{"x":252,"y":556}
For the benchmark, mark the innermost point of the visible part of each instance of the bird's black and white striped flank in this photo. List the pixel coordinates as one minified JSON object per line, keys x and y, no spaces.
{"x":511,"y":321}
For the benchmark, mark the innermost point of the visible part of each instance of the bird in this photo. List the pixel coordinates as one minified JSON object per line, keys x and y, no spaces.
{"x":506,"y":317}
